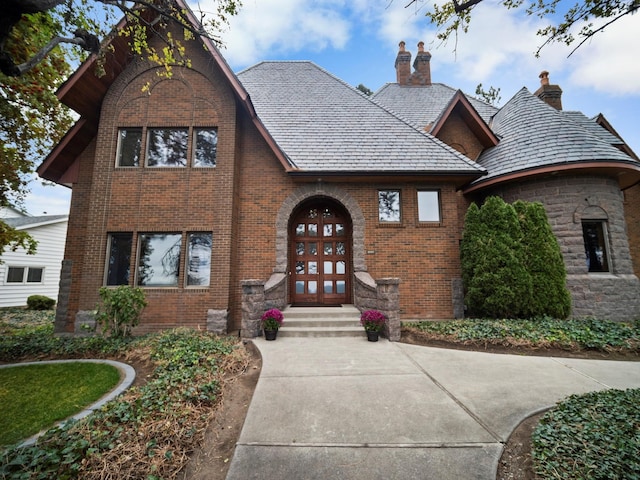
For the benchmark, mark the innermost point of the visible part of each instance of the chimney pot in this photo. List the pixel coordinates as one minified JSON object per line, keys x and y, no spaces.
{"x":544,"y":77}
{"x":401,"y":45}
{"x":420,"y":46}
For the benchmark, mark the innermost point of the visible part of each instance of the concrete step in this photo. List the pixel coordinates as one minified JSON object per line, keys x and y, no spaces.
{"x":343,"y":321}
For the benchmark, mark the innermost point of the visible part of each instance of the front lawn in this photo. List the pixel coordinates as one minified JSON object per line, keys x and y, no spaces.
{"x":34,"y":397}
{"x":148,"y":432}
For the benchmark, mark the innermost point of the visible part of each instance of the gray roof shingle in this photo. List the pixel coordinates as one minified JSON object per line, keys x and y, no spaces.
{"x":534,"y":134}
{"x":423,"y":105}
{"x":323,"y":124}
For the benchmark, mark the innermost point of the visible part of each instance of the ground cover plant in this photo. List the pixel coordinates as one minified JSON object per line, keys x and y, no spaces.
{"x":33,"y":397}
{"x":540,"y":333}
{"x":592,"y":437}
{"x":151,"y":430}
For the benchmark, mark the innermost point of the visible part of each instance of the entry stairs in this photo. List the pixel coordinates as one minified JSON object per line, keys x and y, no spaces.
{"x":341,"y":321}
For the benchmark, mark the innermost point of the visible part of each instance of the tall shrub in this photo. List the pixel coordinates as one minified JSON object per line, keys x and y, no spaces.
{"x":496,"y":281}
{"x":543,"y":260}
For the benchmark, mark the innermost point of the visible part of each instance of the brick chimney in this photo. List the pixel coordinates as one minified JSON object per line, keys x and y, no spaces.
{"x":403,"y":65}
{"x":422,"y":66}
{"x":551,"y":94}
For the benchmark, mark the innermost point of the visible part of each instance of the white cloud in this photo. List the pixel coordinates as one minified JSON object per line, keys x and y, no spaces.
{"x":269,"y":29}
{"x":608,"y":62}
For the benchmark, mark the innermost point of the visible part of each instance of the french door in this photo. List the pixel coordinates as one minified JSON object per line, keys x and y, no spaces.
{"x":320,"y":256}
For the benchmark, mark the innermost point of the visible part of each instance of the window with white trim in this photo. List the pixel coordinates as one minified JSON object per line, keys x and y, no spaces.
{"x":25,"y":274}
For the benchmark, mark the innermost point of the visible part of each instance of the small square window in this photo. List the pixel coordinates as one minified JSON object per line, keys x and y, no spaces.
{"x":389,"y":206}
{"x":34,"y":275}
{"x":428,"y":206}
{"x":206,"y":147}
{"x":167,"y":147}
{"x":15,"y":275}
{"x":595,"y":245}
{"x":129,"y":145}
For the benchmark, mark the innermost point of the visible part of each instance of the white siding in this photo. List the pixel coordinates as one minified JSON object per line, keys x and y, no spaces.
{"x":51,"y":240}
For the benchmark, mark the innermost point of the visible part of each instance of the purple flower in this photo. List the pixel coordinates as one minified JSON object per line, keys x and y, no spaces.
{"x":372,"y":320}
{"x":272,"y":319}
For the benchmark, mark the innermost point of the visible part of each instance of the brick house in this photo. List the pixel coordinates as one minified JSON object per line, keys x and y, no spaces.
{"x":224,"y":194}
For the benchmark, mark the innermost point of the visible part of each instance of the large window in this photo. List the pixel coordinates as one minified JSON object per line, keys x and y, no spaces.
{"x":167,"y":147}
{"x":428,"y":206}
{"x":159,"y":259}
{"x":389,"y":206}
{"x":25,"y":274}
{"x":129,"y":146}
{"x":119,"y":261}
{"x":595,"y":245}
{"x":206,"y":146}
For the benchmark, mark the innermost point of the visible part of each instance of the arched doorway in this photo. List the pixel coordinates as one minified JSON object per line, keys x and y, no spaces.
{"x":320,"y":265}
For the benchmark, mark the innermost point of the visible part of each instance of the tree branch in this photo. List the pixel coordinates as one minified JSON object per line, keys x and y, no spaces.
{"x":44,"y":51}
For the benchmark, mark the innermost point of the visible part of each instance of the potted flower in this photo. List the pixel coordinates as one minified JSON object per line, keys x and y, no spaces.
{"x":272,"y":320}
{"x":372,"y":321}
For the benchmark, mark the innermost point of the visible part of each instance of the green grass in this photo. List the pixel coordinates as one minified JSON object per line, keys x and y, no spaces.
{"x":35,"y":397}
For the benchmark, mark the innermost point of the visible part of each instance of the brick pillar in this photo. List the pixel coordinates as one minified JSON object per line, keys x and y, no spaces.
{"x":60,"y":322}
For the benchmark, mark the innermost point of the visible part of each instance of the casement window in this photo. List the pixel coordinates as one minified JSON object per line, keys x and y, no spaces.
{"x":429,"y":206}
{"x":389,"y":206}
{"x":167,"y":147}
{"x":199,"y":259}
{"x":119,"y":261}
{"x":129,"y":147}
{"x":596,"y":248}
{"x":25,"y":274}
{"x":206,"y":147}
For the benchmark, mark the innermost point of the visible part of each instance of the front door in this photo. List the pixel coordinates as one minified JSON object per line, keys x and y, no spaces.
{"x":320,"y":256}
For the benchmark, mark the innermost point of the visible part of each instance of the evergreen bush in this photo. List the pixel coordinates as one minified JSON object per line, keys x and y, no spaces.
{"x":496,"y":282}
{"x":543,"y":260}
{"x":40,"y":302}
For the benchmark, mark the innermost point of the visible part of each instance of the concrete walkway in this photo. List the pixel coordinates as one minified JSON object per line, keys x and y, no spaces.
{"x":345,"y":408}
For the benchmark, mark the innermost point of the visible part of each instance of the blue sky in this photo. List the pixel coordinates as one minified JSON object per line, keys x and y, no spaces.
{"x":357,"y":41}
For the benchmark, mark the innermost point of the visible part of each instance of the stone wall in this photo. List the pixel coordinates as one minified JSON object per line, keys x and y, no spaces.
{"x":383,"y":295}
{"x":568,"y":199}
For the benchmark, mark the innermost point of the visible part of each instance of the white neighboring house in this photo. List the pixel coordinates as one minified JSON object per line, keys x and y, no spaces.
{"x":23,"y":275}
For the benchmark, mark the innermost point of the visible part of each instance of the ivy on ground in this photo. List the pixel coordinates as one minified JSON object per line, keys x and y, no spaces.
{"x":595,"y":436}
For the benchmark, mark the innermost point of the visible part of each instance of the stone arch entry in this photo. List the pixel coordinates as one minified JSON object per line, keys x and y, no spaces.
{"x":332,"y":195}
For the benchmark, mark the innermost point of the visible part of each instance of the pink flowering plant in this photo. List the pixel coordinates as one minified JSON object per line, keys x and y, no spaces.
{"x":272,"y":319}
{"x":372,"y":320}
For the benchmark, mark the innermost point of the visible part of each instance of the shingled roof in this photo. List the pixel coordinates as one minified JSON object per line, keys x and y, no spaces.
{"x":423,"y":105}
{"x":325,"y":125}
{"x":534,"y":134}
